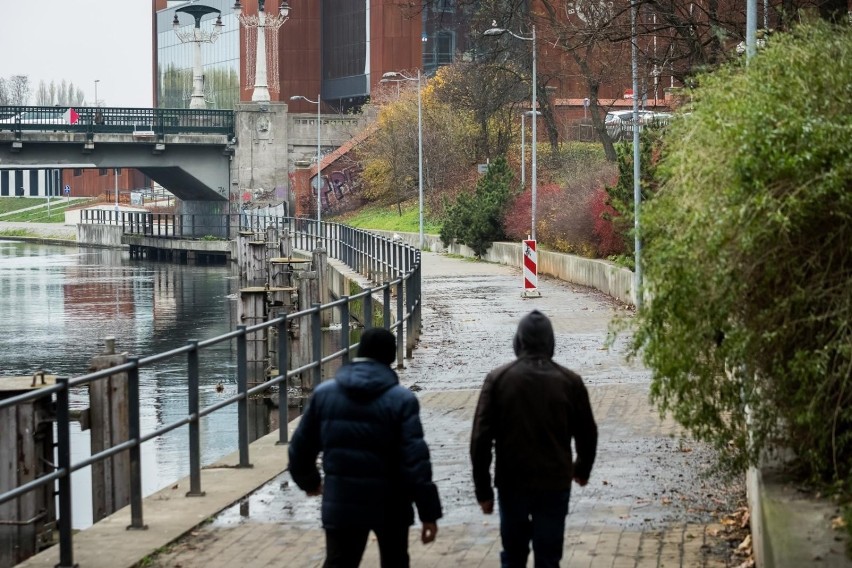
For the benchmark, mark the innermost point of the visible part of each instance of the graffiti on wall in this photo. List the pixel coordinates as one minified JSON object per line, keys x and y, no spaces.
{"x":338,"y":184}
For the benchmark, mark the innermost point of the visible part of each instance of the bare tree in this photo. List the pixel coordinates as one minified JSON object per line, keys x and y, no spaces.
{"x":62,"y":93}
{"x":4,"y":92}
{"x":43,"y":95}
{"x":19,"y":89}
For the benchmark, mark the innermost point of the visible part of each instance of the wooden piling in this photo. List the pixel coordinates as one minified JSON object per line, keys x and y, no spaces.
{"x":26,"y":452}
{"x":252,"y":311}
{"x":319,"y":261}
{"x":108,"y":417}
{"x":303,"y":352}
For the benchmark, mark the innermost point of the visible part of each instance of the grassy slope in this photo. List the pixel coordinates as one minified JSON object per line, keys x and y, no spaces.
{"x":387,"y":218}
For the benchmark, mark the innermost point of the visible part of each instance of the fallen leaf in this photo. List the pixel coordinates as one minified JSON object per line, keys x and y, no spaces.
{"x":838,"y":523}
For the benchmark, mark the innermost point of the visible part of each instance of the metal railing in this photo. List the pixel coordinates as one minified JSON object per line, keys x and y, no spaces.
{"x":144,"y":122}
{"x":163,"y":225}
{"x":365,"y":252}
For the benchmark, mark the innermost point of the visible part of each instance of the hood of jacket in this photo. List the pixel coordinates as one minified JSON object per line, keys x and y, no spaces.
{"x":534,"y":337}
{"x":366,"y":378}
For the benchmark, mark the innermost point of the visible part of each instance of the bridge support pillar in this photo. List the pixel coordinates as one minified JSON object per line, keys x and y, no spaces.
{"x":260,"y":156}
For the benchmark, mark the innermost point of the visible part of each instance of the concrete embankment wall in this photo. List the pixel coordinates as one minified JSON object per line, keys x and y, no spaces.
{"x":609,"y":278}
{"x":108,"y":236}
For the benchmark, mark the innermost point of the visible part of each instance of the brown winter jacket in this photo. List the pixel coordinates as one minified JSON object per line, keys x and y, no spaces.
{"x":529,"y":410}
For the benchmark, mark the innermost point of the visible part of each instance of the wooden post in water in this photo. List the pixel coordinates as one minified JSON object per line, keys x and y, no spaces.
{"x":285,"y":244}
{"x":306,"y":281}
{"x":108,"y":417}
{"x":256,"y":263}
{"x":319,"y":261}
{"x":252,"y":311}
{"x":243,"y":239}
{"x":26,"y":452}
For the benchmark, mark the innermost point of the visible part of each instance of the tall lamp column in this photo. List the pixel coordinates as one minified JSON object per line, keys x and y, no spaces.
{"x":263,"y":23}
{"x":196,"y":37}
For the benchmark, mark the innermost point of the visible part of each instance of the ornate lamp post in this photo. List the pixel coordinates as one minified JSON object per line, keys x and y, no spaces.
{"x":534,"y":183}
{"x":319,"y":156}
{"x":197,"y":36}
{"x":395,"y":76}
{"x":260,"y":23}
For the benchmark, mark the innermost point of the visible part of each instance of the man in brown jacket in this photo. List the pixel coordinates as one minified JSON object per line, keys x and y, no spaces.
{"x":529,"y":410}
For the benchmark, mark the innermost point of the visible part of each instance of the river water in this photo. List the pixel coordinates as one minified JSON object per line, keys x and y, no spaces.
{"x":57,"y":304}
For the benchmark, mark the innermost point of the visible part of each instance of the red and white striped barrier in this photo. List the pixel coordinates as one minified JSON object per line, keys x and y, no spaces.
{"x":530,"y":269}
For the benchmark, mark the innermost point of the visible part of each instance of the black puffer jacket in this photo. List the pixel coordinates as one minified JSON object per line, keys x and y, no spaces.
{"x":528,"y":413}
{"x":375,"y":460}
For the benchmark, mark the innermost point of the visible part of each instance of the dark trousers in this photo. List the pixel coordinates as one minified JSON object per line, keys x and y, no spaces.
{"x":345,"y":547}
{"x":537,"y":516}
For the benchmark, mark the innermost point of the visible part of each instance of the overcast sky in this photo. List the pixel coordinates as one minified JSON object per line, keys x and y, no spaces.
{"x":80,"y":41}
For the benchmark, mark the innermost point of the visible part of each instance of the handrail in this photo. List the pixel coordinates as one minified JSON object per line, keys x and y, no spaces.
{"x":145,"y":122}
{"x":394,"y":263}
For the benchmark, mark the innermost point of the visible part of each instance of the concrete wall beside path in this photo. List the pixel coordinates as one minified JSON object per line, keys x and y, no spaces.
{"x":609,"y":278}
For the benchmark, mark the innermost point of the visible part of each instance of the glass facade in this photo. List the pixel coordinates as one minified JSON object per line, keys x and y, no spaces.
{"x":220,"y":60}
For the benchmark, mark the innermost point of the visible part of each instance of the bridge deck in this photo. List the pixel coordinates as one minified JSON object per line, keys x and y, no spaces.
{"x":645,"y":506}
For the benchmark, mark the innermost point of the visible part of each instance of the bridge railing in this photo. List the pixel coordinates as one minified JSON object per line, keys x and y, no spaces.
{"x":361,"y":250}
{"x":163,"y":225}
{"x":143,"y":122}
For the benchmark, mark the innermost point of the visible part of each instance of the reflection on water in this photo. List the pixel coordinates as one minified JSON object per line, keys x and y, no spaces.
{"x":57,"y":304}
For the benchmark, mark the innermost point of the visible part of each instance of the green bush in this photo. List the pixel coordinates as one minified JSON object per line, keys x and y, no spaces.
{"x":748,"y":257}
{"x":476,"y":219}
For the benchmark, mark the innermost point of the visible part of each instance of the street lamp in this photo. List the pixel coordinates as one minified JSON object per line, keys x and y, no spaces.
{"x":501,"y":31}
{"x":262,"y":22}
{"x":196,"y":37}
{"x":524,"y":144}
{"x":637,"y":155}
{"x":319,"y":156}
{"x":396,"y":76}
{"x":96,"y":91}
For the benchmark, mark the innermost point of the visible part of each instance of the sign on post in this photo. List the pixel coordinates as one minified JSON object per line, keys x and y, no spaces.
{"x":530,"y":269}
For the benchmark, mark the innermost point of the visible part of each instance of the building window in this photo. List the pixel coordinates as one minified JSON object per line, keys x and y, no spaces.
{"x":103,"y":171}
{"x":444,"y":47}
{"x":118,"y":171}
{"x":445,"y":5}
{"x":78,"y":172}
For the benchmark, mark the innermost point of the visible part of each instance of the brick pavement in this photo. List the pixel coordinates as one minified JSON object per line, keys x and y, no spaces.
{"x":607,"y":526}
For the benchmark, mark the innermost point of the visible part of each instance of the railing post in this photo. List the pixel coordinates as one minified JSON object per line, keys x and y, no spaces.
{"x":316,"y":335}
{"x":400,"y":328}
{"x":194,"y":429}
{"x":368,"y":309}
{"x":386,"y":300}
{"x":134,"y":432}
{"x":283,"y":400}
{"x":344,"y":328}
{"x":409,"y":315}
{"x":418,"y":295}
{"x":63,"y":441}
{"x":242,"y":403}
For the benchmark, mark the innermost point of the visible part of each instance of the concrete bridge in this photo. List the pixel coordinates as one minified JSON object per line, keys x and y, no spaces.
{"x":204,"y":157}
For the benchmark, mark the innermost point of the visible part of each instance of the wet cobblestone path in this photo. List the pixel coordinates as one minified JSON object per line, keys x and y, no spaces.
{"x":649,"y":503}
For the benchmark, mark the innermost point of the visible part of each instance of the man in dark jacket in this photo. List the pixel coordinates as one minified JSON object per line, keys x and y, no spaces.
{"x":529,"y":410}
{"x":375,"y":460}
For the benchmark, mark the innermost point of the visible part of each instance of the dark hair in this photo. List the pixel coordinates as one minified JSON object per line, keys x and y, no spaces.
{"x":379,"y":344}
